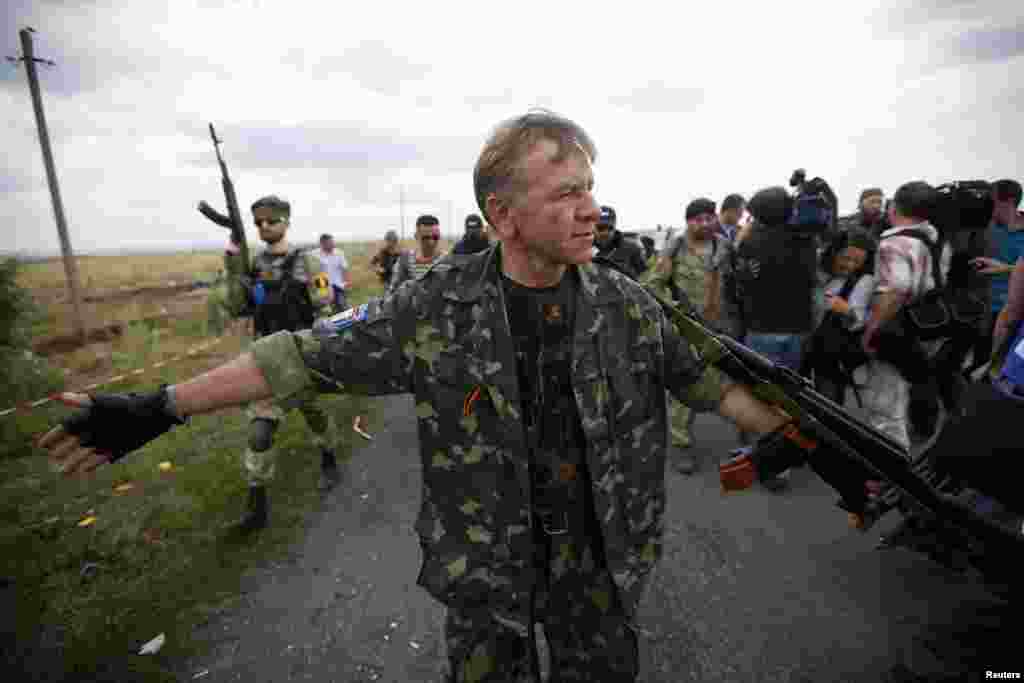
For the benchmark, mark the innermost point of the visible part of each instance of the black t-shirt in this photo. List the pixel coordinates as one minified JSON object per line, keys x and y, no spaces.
{"x":541,"y":322}
{"x":776,"y":264}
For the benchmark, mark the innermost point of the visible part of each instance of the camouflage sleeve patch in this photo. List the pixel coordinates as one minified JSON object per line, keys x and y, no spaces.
{"x":279,"y":357}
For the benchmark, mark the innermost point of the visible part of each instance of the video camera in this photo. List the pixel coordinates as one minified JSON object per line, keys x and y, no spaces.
{"x":815,"y":207}
{"x":962,"y":205}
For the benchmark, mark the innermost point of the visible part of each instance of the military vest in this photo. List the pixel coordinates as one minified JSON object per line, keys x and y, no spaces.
{"x":280,"y":294}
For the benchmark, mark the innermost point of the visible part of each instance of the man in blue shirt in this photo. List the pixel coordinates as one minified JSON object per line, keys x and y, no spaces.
{"x":1006,"y":244}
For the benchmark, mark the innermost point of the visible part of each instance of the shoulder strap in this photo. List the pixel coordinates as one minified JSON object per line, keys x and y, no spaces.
{"x":288,"y":265}
{"x":934,"y":248}
{"x":850,"y":285}
{"x":677,"y":245}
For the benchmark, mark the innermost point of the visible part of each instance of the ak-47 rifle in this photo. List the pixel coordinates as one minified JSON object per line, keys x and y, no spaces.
{"x":233,"y":221}
{"x":848,"y":452}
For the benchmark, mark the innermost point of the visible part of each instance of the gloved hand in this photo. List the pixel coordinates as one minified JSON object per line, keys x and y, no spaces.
{"x":774,"y":452}
{"x":109,"y":427}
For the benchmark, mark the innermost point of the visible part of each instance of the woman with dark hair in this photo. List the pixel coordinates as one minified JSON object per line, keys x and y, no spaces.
{"x":834,"y":350}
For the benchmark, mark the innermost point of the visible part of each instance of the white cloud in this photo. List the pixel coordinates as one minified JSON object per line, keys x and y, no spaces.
{"x":337,"y":110}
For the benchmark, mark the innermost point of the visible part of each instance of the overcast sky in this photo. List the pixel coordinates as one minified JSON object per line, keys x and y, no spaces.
{"x":336,"y":106}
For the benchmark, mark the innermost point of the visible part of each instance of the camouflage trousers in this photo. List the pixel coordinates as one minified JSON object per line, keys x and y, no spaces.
{"x":680,"y":423}
{"x":589,"y":636}
{"x":259,"y":462}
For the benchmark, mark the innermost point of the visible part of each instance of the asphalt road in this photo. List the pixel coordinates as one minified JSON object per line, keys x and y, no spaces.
{"x":753,"y":587}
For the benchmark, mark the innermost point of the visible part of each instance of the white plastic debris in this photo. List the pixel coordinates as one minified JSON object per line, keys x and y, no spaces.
{"x":200,"y":674}
{"x":153,"y":646}
{"x":414,"y":644}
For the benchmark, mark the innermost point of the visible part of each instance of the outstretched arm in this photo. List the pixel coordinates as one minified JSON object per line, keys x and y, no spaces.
{"x":231,"y":384}
{"x":370,"y":350}
{"x":235,"y":383}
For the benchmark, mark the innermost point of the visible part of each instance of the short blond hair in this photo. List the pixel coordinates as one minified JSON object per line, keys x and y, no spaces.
{"x":498,"y":169}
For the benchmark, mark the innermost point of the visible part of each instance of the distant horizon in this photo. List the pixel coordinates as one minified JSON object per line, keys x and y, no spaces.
{"x":140,"y":250}
{"x":209,"y":245}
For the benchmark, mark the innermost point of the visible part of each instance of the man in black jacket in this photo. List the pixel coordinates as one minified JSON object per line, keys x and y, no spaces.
{"x":777,"y":263}
{"x":475,"y":238}
{"x":613,"y":245}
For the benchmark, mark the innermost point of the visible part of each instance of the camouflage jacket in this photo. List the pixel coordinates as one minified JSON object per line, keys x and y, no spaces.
{"x":678,"y":271}
{"x":445,"y":338}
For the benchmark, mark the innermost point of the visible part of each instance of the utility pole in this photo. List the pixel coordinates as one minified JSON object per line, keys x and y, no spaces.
{"x":70,"y":265}
{"x":403,"y":200}
{"x":451,"y":224}
{"x":401,"y":209}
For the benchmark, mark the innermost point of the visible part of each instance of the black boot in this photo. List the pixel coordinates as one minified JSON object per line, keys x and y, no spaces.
{"x":255,"y":517}
{"x":329,"y":476}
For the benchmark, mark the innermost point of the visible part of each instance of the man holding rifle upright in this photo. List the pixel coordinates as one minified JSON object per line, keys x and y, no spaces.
{"x":285,"y":289}
{"x":539,"y":380}
{"x":282,"y":289}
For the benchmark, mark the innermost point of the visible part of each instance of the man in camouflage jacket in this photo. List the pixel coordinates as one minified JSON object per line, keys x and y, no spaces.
{"x":453,"y":339}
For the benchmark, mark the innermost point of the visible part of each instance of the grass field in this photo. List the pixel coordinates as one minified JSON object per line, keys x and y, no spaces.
{"x":107,"y":277}
{"x":90,"y":570}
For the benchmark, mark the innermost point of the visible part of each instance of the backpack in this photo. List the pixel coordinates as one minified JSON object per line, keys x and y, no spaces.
{"x":285,"y":304}
{"x":942,"y":311}
{"x":833,"y":350}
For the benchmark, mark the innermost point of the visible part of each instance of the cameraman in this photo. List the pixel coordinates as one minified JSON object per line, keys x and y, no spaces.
{"x":904,"y":274}
{"x":776,"y":275}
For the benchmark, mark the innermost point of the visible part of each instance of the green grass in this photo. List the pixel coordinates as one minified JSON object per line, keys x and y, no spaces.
{"x":157,"y":559}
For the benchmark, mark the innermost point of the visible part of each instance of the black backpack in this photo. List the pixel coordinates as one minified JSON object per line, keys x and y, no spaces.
{"x":286,"y":303}
{"x":942,"y":311}
{"x":833,"y":350}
